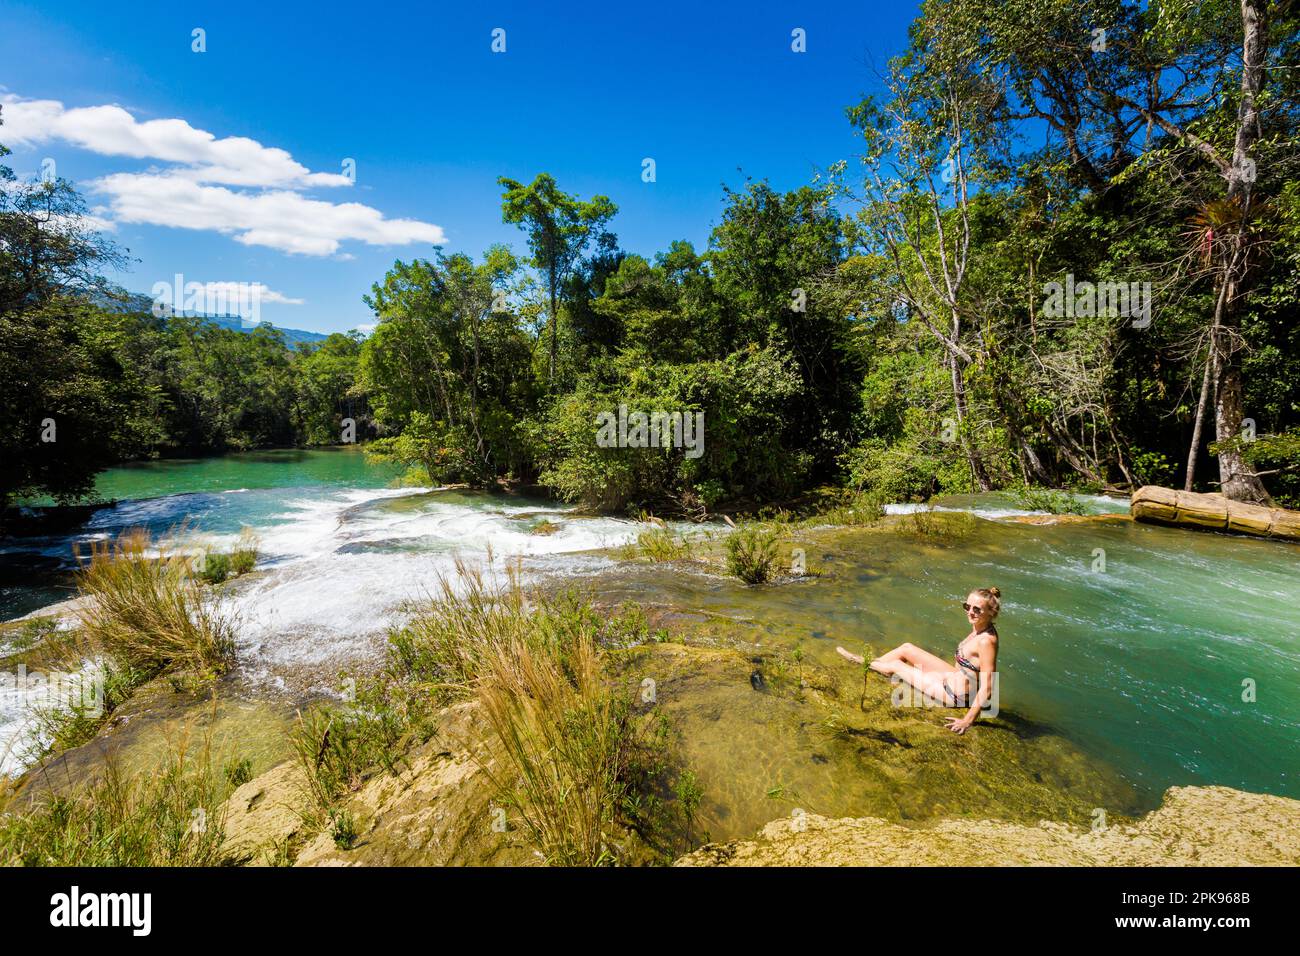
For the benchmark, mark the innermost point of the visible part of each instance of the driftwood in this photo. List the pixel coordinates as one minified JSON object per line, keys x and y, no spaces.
{"x":1187,"y":509}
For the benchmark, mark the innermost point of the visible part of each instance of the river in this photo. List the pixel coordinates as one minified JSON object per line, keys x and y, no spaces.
{"x":1172,"y":656}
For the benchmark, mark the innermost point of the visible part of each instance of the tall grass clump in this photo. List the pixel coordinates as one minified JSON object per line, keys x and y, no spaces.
{"x":244,"y":556}
{"x":565,"y":748}
{"x":660,"y":544}
{"x":751,"y":553}
{"x":567,"y":743}
{"x":148,"y":614}
{"x":444,"y":647}
{"x":170,"y":817}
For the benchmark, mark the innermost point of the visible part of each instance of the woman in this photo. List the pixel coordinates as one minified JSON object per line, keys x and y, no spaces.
{"x":968,"y":678}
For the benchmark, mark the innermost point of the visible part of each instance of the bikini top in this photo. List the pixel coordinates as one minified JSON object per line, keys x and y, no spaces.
{"x":965,"y":662}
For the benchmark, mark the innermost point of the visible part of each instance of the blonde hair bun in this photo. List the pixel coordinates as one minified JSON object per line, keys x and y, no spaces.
{"x":996,"y":592}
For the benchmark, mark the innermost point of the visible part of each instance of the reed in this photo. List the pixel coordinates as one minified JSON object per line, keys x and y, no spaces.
{"x":565,"y":744}
{"x":565,"y":750}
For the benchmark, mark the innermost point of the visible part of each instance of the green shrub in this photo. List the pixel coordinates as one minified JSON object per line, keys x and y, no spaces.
{"x":343,"y":828}
{"x":751,"y":553}
{"x":67,"y":724}
{"x":745,"y":400}
{"x":1152,"y":468}
{"x":335,"y":749}
{"x":216,"y":568}
{"x":1051,"y":500}
{"x":660,"y":544}
{"x":238,"y":771}
{"x":858,"y":509}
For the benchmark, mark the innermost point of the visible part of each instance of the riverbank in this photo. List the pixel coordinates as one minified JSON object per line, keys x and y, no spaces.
{"x":1014,"y":797}
{"x":1194,"y":826}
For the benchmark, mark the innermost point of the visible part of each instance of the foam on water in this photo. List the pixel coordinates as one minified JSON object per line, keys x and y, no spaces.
{"x":338,"y":568}
{"x":25,"y":695}
{"x":984,"y":508}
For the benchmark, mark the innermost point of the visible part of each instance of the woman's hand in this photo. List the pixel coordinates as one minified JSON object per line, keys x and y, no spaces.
{"x":958,"y":725}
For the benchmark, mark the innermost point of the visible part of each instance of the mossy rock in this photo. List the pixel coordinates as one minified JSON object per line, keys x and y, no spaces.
{"x":769,"y":737}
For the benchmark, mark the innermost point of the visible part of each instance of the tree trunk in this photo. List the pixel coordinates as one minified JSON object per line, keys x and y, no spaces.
{"x":1236,"y":480}
{"x":555,"y":323}
{"x":978,"y":474}
{"x":1209,"y":377}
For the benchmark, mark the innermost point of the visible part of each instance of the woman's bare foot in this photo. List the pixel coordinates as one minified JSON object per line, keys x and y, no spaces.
{"x":849,"y":655}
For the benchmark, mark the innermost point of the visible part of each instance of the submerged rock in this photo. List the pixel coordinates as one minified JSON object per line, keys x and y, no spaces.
{"x":815,"y":744}
{"x":1194,"y":826}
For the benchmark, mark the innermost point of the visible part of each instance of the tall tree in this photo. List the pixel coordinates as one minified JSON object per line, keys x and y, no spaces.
{"x":930,"y":147}
{"x":559,"y":228}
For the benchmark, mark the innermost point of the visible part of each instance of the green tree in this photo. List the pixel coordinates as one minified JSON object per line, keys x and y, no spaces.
{"x":559,"y":228}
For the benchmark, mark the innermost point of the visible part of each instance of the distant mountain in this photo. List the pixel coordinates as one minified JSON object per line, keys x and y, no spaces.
{"x":291,"y":336}
{"x":138,"y":302}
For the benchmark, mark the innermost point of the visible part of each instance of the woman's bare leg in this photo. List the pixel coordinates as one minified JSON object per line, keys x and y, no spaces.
{"x":910,"y":654}
{"x":926,"y":682}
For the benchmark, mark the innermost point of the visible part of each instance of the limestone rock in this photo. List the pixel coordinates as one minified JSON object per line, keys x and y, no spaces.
{"x":266,"y":813}
{"x":1195,"y":826}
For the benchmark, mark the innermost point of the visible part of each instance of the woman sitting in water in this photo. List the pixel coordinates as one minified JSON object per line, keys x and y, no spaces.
{"x":972,"y":670}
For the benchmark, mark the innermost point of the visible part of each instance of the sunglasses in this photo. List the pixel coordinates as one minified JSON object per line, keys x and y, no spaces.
{"x":972,"y":607}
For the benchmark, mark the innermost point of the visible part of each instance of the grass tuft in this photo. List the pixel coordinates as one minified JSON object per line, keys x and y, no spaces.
{"x":660,"y":544}
{"x":567,"y":742}
{"x":244,"y":557}
{"x":148,"y":615}
{"x":568,"y":753}
{"x":170,"y":817}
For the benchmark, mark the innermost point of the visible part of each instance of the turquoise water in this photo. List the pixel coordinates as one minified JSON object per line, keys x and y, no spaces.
{"x":1144,"y":664}
{"x":1148,"y":662}
{"x":276,"y":468}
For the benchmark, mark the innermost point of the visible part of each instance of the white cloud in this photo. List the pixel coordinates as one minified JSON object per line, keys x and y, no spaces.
{"x":265,"y":295}
{"x":112,"y":131}
{"x":234,"y":185}
{"x":279,"y":219}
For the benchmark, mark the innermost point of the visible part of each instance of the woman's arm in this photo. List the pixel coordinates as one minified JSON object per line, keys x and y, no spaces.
{"x":988,"y":651}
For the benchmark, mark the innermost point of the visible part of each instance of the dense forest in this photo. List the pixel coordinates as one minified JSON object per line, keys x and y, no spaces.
{"x":1068,"y":255}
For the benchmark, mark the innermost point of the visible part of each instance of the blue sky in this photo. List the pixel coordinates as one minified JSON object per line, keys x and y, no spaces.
{"x":431,"y":116}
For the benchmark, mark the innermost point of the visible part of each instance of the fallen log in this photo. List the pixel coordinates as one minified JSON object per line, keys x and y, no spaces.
{"x":1189,"y":509}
